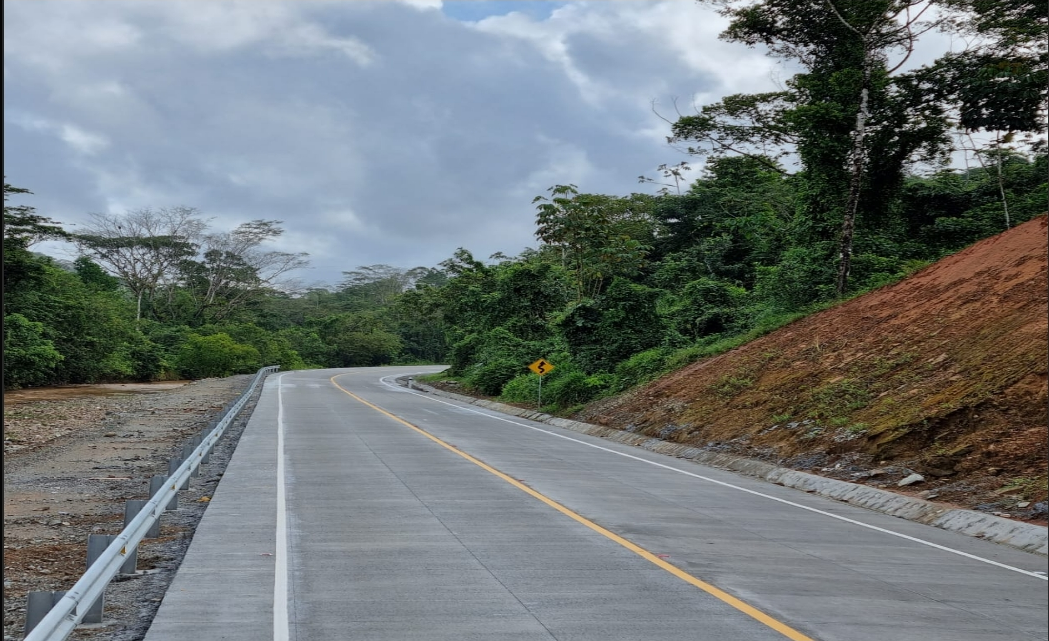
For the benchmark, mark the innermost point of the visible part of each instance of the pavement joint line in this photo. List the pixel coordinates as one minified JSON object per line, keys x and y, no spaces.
{"x":710,"y":589}
{"x":281,"y":630}
{"x":901,"y":535}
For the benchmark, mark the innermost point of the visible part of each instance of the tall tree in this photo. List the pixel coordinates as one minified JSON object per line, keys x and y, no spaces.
{"x":144,"y":247}
{"x":380,"y":285}
{"x":853,"y":120}
{"x":999,"y":84}
{"x":23,"y":228}
{"x":600,"y":237}
{"x":233,"y":267}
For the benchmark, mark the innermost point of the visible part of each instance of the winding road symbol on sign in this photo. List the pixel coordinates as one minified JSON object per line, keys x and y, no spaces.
{"x":541,"y":367}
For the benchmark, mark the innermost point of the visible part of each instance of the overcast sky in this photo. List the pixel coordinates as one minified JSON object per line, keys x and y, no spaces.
{"x":379,"y":132}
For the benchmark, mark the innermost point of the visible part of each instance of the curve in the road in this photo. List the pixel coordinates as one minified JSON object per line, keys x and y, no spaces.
{"x":738,"y":604}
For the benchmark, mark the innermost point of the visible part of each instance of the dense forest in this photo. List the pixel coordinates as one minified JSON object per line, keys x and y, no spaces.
{"x":838,"y":184}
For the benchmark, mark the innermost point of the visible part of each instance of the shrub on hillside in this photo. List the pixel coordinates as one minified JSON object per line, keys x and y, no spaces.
{"x":489,"y":377}
{"x":641,"y":367}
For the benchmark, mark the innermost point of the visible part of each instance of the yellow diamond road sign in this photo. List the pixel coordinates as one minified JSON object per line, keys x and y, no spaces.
{"x":541,"y":367}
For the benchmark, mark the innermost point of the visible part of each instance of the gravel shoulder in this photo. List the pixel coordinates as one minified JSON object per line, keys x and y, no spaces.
{"x":70,"y":463}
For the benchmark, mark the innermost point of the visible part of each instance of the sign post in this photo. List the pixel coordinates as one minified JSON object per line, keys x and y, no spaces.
{"x":542,"y":367}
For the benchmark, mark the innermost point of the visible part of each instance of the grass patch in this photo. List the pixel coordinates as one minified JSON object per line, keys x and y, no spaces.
{"x":1030,"y":487}
{"x":433,"y":378}
{"x":730,"y":385}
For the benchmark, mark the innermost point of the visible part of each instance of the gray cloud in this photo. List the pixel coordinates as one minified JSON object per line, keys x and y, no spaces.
{"x":379,"y":132}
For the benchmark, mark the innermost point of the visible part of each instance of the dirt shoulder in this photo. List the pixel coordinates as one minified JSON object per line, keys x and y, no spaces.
{"x":70,"y":463}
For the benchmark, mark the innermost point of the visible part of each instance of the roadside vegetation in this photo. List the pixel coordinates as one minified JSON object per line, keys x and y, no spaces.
{"x":835,"y":186}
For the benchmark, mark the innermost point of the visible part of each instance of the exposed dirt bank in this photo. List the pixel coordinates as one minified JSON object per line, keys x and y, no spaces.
{"x":943,"y":374}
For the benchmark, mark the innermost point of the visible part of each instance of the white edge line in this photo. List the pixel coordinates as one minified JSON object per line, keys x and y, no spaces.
{"x":729,"y":485}
{"x":280,"y":575}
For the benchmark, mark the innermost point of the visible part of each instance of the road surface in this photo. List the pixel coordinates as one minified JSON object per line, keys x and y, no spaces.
{"x":356,"y":509}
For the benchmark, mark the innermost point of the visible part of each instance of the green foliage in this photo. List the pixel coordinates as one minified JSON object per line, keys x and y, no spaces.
{"x":523,"y":388}
{"x":497,"y":357}
{"x":366,"y":349}
{"x":854,"y":123}
{"x":706,"y":306}
{"x":490,"y":376}
{"x":565,"y":386}
{"x":94,"y":277}
{"x":273,"y":349}
{"x":29,"y":358}
{"x":641,"y":368}
{"x":803,"y":275}
{"x":308,"y":344}
{"x":621,"y":322}
{"x":601,"y":237}
{"x":359,"y":339}
{"x":144,"y":357}
{"x":216,"y":355}
{"x":570,"y":388}
{"x":463,"y":354}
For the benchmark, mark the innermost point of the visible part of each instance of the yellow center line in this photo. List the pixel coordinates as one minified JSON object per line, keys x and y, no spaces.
{"x":717,"y":593}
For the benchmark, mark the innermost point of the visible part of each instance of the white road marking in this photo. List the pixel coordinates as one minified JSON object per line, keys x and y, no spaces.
{"x":280,"y":575}
{"x":1037,"y":575}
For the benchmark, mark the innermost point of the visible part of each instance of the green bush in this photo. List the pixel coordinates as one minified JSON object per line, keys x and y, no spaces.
{"x":309,"y":345}
{"x":273,"y":349}
{"x":575,"y":388}
{"x":29,"y":358}
{"x":641,"y":367}
{"x":463,"y":353}
{"x":523,"y":388}
{"x":146,"y":358}
{"x":804,"y":275}
{"x":216,"y":355}
{"x":706,"y":306}
{"x":366,"y":349}
{"x":489,"y":378}
{"x":605,"y":331}
{"x":568,"y":389}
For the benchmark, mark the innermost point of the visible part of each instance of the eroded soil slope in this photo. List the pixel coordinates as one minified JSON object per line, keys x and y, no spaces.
{"x":943,"y":374}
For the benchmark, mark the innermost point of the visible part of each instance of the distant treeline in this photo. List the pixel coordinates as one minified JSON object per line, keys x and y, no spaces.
{"x":620,"y":290}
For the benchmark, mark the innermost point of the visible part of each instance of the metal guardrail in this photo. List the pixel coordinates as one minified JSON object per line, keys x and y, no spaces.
{"x":70,"y":610}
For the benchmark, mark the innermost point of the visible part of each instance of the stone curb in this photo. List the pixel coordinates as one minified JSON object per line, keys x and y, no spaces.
{"x":1023,"y":536}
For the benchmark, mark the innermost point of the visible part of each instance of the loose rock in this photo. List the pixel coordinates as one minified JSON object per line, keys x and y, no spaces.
{"x":911,"y":480}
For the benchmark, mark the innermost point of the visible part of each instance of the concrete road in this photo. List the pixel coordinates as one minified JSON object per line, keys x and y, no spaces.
{"x":356,"y":509}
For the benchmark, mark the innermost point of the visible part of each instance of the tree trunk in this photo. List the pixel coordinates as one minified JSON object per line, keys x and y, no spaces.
{"x":1001,"y":182}
{"x":852,"y":205}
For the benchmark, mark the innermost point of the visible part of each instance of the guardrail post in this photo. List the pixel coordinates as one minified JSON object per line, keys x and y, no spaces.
{"x":131,"y":510}
{"x":96,"y":545}
{"x":38,"y":604}
{"x":156,"y":483}
{"x":131,"y":563}
{"x":207,"y":452}
{"x":173,"y":465}
{"x":187,"y":452}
